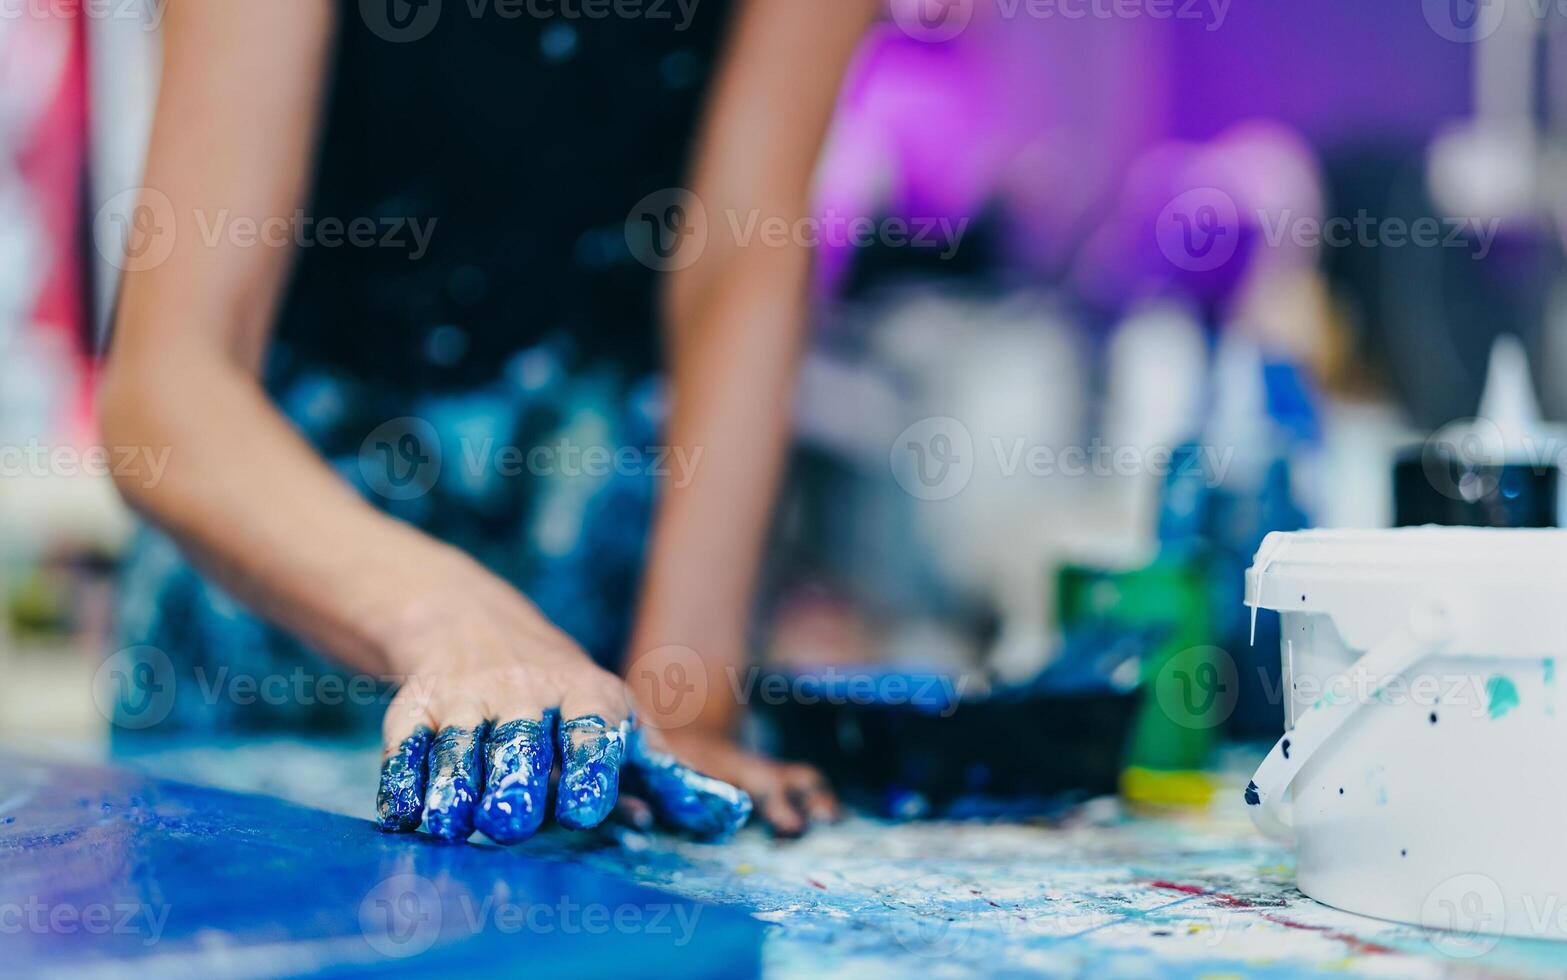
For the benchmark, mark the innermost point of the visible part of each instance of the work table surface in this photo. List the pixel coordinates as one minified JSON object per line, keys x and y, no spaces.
{"x":1097,"y":893}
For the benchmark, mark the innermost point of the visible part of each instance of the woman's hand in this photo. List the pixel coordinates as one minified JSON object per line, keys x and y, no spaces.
{"x":493,"y":699}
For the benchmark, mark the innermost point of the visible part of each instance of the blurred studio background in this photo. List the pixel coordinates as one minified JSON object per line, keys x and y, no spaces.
{"x":1140,"y":283}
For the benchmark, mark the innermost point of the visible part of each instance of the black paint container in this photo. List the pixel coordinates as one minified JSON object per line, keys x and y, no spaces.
{"x":1440,"y":488}
{"x":1015,"y":752}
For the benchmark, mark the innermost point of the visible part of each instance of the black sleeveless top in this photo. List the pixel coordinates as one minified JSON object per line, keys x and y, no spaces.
{"x":517,"y":145}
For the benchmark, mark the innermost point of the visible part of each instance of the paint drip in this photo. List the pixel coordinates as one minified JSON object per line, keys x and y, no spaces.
{"x":401,"y":800}
{"x":518,"y":757}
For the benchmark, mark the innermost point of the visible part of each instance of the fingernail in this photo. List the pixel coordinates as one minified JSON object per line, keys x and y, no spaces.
{"x":517,"y":767}
{"x":400,"y":801}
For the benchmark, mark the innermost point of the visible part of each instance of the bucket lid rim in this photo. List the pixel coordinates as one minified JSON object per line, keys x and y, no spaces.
{"x":1467,"y":556}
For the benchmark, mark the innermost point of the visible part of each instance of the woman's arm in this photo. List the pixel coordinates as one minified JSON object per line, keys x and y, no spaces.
{"x":737,"y":320}
{"x":242,"y":491}
{"x":253,"y":504}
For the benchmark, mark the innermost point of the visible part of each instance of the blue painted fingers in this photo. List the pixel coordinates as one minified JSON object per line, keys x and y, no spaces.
{"x":591,"y":753}
{"x":456,"y":779}
{"x":518,"y":758}
{"x":682,"y":797}
{"x":399,"y":806}
{"x":496,"y":779}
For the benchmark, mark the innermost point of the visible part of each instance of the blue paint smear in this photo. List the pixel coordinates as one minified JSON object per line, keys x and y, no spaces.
{"x":590,"y":756}
{"x":1252,"y":799}
{"x":456,"y":774}
{"x":681,"y":796}
{"x":518,"y":757}
{"x":203,"y":882}
{"x":401,"y":798}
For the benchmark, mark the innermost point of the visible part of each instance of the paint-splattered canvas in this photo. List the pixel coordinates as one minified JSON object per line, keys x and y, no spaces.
{"x":1098,"y":893}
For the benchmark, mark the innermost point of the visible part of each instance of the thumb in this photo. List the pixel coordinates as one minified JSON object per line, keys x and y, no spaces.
{"x":682,"y":797}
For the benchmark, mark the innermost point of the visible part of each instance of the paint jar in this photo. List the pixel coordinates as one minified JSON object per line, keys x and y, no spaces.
{"x":1173,"y":737}
{"x":1423,"y":769}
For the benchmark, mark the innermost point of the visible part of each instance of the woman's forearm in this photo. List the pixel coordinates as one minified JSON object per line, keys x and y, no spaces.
{"x":737,"y":314}
{"x":244,"y":494}
{"x":733,"y":379}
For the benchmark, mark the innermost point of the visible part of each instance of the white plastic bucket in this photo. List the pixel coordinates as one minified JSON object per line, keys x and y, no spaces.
{"x":1423,"y":770}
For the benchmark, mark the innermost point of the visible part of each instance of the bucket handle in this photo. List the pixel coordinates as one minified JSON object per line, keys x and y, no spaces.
{"x":1266,"y":794}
